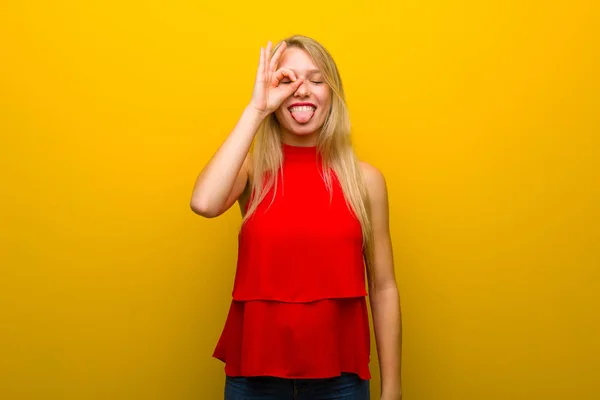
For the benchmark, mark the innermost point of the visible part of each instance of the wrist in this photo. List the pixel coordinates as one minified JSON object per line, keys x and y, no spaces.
{"x":256,"y":113}
{"x":391,"y":392}
{"x":397,"y":395}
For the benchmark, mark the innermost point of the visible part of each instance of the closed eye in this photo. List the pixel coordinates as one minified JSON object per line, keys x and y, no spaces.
{"x":288,"y":82}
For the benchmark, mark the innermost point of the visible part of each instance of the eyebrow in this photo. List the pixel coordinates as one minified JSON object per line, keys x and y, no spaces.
{"x":309,"y":72}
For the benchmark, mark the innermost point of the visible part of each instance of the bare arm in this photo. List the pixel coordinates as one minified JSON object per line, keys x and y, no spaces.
{"x":223,"y":180}
{"x":385,"y":298}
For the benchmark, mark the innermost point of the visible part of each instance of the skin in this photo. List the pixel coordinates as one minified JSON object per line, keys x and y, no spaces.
{"x":287,"y":77}
{"x":385,"y":298}
{"x":313,"y":89}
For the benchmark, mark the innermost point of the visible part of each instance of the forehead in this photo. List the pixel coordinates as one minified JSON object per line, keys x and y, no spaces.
{"x":297,"y":60}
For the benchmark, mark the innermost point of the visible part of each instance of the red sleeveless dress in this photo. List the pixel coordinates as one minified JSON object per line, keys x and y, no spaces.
{"x":299,"y":300}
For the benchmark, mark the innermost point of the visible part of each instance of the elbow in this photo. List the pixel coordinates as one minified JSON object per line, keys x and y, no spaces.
{"x":203,"y":208}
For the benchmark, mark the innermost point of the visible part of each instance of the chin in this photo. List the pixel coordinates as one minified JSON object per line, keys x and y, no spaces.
{"x":301,"y":129}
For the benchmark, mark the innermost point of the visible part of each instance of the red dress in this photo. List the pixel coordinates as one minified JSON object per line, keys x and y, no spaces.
{"x":299,"y":300}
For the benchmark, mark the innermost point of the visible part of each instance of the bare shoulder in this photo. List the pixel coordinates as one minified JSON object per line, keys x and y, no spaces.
{"x":374,"y":180}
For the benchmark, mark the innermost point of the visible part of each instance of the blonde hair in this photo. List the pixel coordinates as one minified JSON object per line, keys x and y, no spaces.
{"x":333,"y":144}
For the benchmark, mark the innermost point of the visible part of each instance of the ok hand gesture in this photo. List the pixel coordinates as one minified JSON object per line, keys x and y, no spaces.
{"x":269,"y":92}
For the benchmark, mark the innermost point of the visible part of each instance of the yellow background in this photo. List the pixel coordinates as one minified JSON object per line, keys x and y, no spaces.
{"x":484,"y":117}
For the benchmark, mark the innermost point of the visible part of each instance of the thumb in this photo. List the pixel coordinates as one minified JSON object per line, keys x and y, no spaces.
{"x":292,"y":87}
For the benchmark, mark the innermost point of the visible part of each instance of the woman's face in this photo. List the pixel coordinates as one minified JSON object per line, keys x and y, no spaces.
{"x":305,"y":111}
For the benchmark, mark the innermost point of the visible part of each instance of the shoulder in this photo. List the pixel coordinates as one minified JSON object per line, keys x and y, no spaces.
{"x":374,"y":181}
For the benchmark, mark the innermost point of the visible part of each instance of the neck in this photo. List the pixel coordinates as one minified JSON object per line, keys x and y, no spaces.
{"x":309,"y":140}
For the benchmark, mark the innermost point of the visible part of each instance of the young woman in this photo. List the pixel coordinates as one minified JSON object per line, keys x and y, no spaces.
{"x":314,"y":232}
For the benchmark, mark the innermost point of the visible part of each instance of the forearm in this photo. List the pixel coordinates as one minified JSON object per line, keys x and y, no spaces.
{"x":387,"y":321}
{"x":217,"y":178}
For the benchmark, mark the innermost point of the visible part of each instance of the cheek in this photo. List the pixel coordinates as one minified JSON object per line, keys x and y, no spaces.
{"x":324,"y":98}
{"x":282,"y":113}
{"x":325,"y":104}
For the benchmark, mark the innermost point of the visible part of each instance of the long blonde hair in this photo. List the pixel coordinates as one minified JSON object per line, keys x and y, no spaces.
{"x":334,"y":145}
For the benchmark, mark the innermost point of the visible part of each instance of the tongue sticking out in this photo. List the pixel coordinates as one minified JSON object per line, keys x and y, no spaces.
{"x":303,"y":116}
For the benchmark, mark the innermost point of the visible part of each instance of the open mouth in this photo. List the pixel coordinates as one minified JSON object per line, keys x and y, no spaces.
{"x":302,"y":113}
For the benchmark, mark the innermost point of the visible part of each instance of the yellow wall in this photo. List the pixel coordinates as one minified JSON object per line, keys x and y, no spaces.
{"x":483,"y":116}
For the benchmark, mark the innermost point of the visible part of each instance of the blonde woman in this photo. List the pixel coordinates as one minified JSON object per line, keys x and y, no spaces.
{"x":314,"y":235}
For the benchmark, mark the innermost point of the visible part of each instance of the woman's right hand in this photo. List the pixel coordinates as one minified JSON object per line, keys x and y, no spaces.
{"x":269,"y":93}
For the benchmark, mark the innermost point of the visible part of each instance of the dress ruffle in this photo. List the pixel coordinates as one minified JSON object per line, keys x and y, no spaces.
{"x":319,"y":339}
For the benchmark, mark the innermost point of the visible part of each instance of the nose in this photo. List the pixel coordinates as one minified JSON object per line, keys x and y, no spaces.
{"x":302,"y":90}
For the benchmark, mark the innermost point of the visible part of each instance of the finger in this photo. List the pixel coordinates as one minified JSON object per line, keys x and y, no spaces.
{"x":261,"y":65}
{"x":295,"y":85}
{"x":268,"y":54}
{"x":277,"y":56}
{"x":282,"y":73}
{"x":288,"y":90}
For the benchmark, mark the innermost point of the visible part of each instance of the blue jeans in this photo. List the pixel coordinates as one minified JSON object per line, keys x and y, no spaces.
{"x":344,"y":387}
